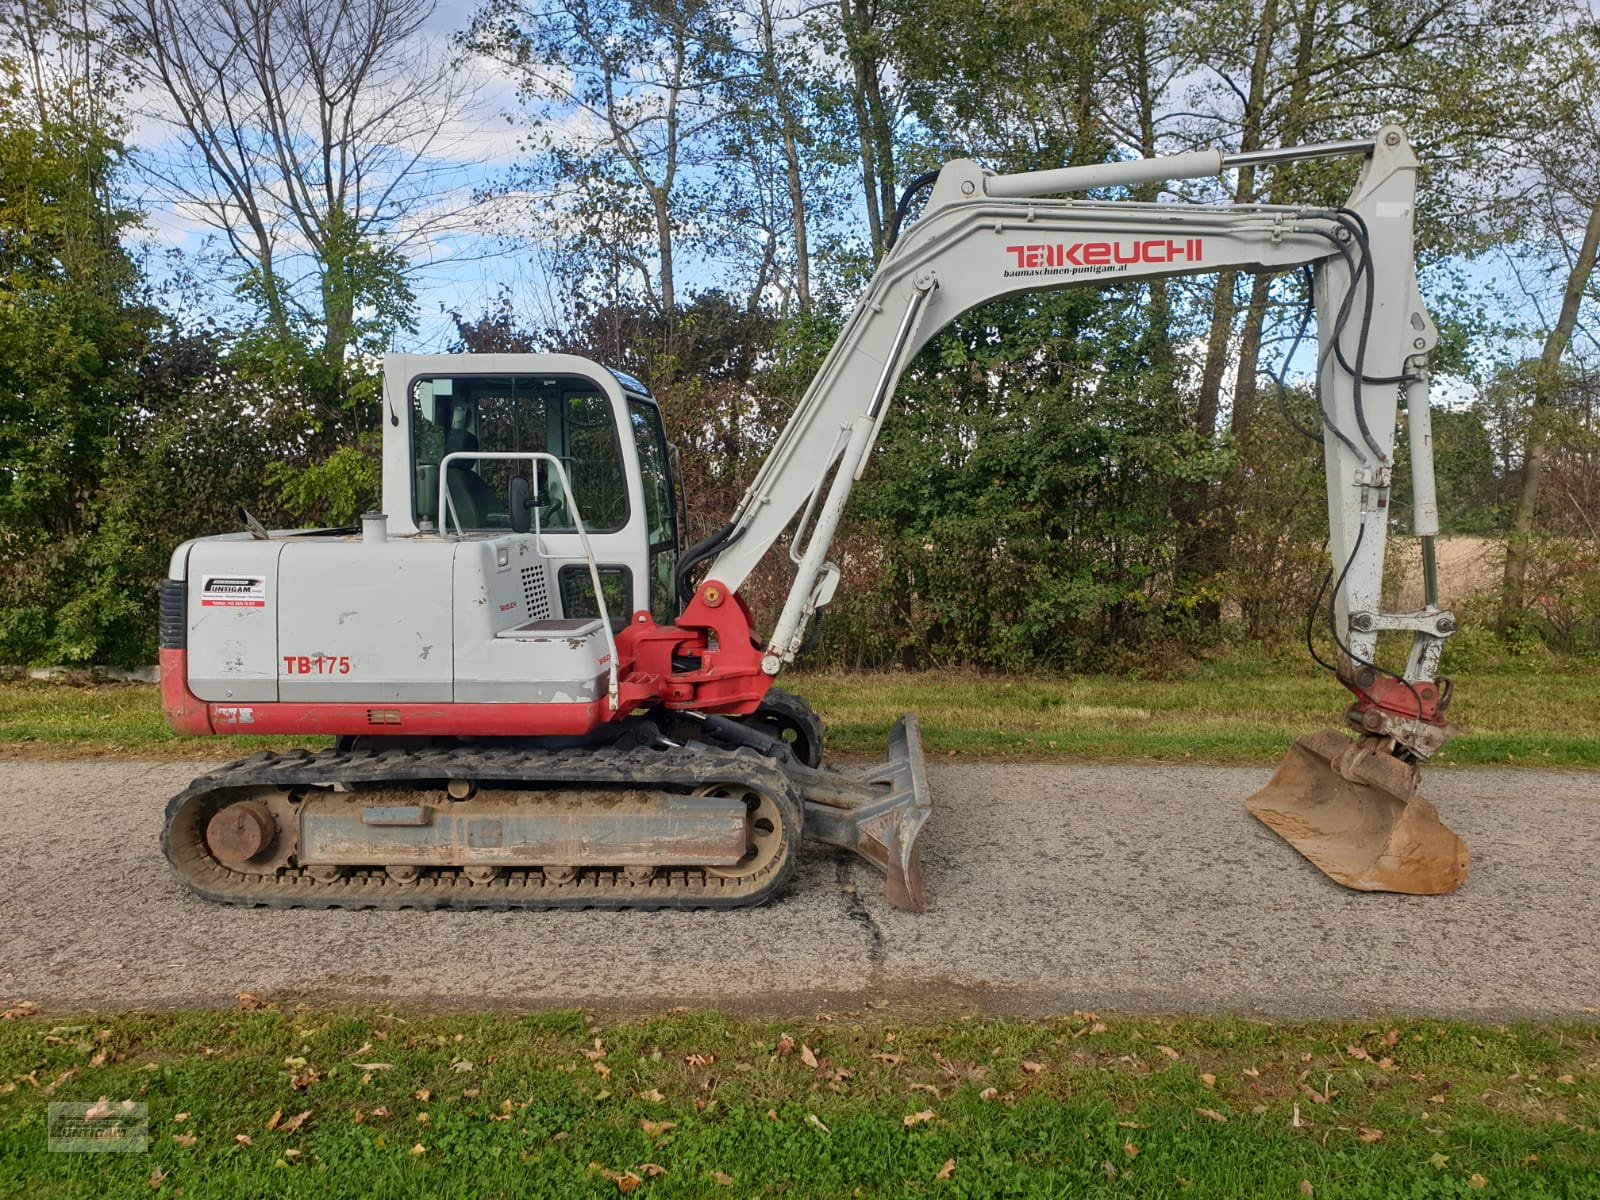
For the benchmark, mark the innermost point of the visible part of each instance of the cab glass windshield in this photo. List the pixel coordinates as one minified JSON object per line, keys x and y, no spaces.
{"x":568,"y":417}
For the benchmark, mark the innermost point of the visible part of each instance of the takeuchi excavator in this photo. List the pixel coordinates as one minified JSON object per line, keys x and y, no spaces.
{"x":540,"y":700}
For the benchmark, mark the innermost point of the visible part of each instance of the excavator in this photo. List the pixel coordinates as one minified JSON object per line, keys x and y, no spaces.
{"x":539,"y":699}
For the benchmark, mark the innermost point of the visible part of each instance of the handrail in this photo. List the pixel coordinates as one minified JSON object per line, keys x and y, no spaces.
{"x":447,"y":509}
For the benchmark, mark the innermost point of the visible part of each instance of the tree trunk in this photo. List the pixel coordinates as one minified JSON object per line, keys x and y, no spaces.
{"x":793,"y":178}
{"x":1223,"y":305}
{"x":1546,"y":385}
{"x":866,"y":99}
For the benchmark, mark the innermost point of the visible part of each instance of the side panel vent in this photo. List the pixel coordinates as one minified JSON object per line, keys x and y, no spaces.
{"x":535,"y":593}
{"x":174,"y":620}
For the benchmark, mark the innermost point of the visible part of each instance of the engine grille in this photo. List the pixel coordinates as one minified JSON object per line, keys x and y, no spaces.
{"x":174,"y":619}
{"x":535,"y":593}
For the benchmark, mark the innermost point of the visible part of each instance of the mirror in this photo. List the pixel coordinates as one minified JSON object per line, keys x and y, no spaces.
{"x":519,"y":503}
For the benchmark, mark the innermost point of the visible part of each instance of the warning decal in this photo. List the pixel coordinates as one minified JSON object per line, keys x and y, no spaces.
{"x":233,"y":591}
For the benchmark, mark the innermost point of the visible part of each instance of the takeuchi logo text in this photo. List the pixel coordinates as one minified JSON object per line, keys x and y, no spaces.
{"x":1106,"y":254}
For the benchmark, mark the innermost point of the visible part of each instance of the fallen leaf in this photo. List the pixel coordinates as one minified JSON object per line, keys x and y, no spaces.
{"x":305,"y":1079}
{"x":50,"y":1088}
{"x":917,"y":1118}
{"x":1369,"y":1136}
{"x":1439,"y":1161}
{"x":699,"y":1060}
{"x":1130,"y":1149}
{"x":1110,"y":1171}
{"x":947,"y":1170}
{"x":786,"y":1045}
{"x":156,"y":1176}
{"x":1212,"y":1114}
{"x":1565,"y":1079}
{"x":272,"y":1121}
{"x":925,"y":1087}
{"x":601,"y":1070}
{"x":1098,"y":1027}
{"x":373,"y":1066}
{"x":1251,"y":1072}
{"x":1391,"y":1037}
{"x":418,"y":1150}
{"x":293,"y":1124}
{"x":807,"y":1057}
{"x":722,"y":1179}
{"x":243,"y":1139}
{"x":1132,"y":1125}
{"x":422,"y":1094}
{"x":653,"y":1096}
{"x":1437,"y":1099}
{"x":1529,"y":1160}
{"x":179,"y":1118}
{"x":291,"y":1154}
{"x":1168,"y":1051}
{"x":1033,"y":1068}
{"x":988,"y":1093}
{"x":184,"y":1139}
{"x":1386,"y":1064}
{"x":651,"y":1170}
{"x":1356,"y":1052}
{"x":888,"y":1038}
{"x":1208,"y":1079}
{"x":1295,"y":1120}
{"x":1316,"y":1096}
{"x":1306,"y":1189}
{"x":816,"y":1121}
{"x":894,"y":1060}
{"x":380,"y":1112}
{"x":656,"y":1128}
{"x":463,"y":1065}
{"x":1477,"y":1181}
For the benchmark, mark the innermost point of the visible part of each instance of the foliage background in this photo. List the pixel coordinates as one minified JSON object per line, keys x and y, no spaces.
{"x":1074,"y":481}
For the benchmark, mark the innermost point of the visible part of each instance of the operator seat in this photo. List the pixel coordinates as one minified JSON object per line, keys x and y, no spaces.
{"x":474,"y":500}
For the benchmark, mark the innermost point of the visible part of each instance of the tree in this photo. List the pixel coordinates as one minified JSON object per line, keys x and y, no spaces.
{"x":1569,"y":195}
{"x":312,"y":140}
{"x":621,"y":97}
{"x":72,"y":325}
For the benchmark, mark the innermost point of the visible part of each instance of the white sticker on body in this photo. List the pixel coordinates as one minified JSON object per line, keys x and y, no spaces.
{"x":233,"y":591}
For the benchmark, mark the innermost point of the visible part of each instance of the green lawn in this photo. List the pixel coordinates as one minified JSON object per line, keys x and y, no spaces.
{"x":341,"y":1103}
{"x":1226,"y":713}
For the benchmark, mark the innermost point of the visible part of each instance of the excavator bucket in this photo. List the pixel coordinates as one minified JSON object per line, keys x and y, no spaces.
{"x":1352,"y":808}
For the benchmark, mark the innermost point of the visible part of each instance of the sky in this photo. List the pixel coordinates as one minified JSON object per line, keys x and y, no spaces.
{"x":459,"y":270}
{"x":453,"y":270}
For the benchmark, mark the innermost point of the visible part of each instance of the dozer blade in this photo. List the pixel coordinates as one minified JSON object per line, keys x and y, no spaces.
{"x":1352,"y":808}
{"x":878,"y":813}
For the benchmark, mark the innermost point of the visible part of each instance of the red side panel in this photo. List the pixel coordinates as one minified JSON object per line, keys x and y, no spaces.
{"x":441,"y":720}
{"x":185,"y":711}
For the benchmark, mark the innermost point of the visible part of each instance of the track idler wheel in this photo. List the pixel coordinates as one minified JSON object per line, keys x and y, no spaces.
{"x":241,"y":832}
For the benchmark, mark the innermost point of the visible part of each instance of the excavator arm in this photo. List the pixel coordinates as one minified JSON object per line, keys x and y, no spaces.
{"x":983,"y":236}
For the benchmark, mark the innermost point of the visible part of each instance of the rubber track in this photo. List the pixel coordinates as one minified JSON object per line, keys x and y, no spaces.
{"x":183,"y":842}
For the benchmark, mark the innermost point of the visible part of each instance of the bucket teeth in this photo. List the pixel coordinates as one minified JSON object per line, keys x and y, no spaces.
{"x":1352,"y":809}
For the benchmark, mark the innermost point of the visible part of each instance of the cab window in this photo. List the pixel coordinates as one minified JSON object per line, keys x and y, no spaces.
{"x":568,"y":417}
{"x":659,"y":510}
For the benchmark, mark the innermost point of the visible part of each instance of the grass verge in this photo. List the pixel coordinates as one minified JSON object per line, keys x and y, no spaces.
{"x":1243,"y":713}
{"x":342,"y":1102}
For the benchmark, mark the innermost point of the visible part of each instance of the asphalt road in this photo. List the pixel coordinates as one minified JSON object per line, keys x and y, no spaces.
{"x":1135,"y":888}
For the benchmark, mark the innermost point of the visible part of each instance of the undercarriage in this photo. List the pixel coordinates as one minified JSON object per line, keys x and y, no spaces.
{"x":644,"y":822}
